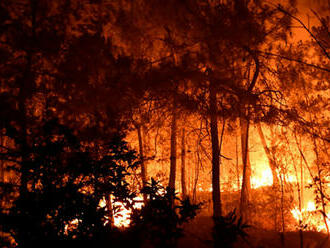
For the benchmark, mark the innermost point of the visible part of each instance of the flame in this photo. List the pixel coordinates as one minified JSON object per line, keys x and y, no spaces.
{"x":290,"y":178}
{"x":309,"y":216}
{"x":121,"y":218}
{"x":265,"y":178}
{"x":71,"y":226}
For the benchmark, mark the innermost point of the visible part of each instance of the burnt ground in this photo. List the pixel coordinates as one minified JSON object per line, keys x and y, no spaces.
{"x":198,"y":235}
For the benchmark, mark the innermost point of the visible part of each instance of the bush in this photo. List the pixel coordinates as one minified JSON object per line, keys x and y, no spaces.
{"x":228,"y":229}
{"x":159,"y":222}
{"x":65,"y":183}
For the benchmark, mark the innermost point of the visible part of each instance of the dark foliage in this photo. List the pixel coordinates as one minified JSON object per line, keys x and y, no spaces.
{"x":158,"y":223}
{"x":228,"y":229}
{"x":66,"y":181}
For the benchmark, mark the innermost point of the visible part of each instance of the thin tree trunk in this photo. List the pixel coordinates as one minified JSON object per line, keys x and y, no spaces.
{"x":245,"y":124}
{"x":183,"y":164}
{"x":199,"y":162}
{"x":173,"y":157}
{"x":321,"y":190}
{"x":282,"y":234}
{"x":143,"y":166}
{"x":108,"y":201}
{"x":272,"y":163}
{"x":299,"y":193}
{"x":301,"y":235}
{"x":246,"y":183}
{"x":237,"y":165}
{"x":215,"y":154}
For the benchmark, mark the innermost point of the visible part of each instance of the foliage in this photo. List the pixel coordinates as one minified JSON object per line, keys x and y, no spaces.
{"x":96,"y":65}
{"x":159,"y":221}
{"x":66,"y":181}
{"x":228,"y":229}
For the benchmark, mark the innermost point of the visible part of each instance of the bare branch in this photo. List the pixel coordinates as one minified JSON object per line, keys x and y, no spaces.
{"x":307,"y":29}
{"x":296,"y":60}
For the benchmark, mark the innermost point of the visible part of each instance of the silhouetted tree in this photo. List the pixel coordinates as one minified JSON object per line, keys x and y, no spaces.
{"x":65,"y":183}
{"x":228,"y":230}
{"x":159,"y":222}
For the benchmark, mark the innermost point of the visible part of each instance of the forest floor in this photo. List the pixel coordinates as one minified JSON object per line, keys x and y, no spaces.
{"x":198,"y":235}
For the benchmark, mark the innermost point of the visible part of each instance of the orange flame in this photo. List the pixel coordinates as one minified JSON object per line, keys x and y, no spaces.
{"x":122,"y":216}
{"x":310,"y":218}
{"x":263,"y":179}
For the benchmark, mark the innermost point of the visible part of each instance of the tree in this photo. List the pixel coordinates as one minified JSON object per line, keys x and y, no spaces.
{"x":66,"y":182}
{"x":40,"y":40}
{"x":183,"y":164}
{"x":159,"y":221}
{"x":311,"y":81}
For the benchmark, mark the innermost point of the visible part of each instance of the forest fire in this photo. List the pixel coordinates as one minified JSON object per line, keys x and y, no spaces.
{"x":264,"y":179}
{"x":311,"y":218}
{"x":122,"y":214}
{"x":122,"y":217}
{"x":191,"y":123}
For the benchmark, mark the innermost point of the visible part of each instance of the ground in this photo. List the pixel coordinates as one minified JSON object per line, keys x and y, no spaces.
{"x":198,"y":235}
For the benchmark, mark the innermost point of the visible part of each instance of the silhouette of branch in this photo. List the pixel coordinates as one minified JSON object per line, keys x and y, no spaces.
{"x":307,"y":29}
{"x":256,"y":72}
{"x":295,"y":60}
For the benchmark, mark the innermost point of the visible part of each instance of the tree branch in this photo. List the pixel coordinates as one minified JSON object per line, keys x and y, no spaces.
{"x":256,"y":72}
{"x":296,"y":60}
{"x":307,"y":29}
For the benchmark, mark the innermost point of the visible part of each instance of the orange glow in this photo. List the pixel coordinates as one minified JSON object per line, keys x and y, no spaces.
{"x":265,"y":178}
{"x":71,"y":226}
{"x":311,"y":217}
{"x":121,"y":218}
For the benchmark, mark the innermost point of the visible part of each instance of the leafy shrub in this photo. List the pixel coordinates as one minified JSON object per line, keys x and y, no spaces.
{"x":65,"y":182}
{"x":159,"y":222}
{"x":228,"y":229}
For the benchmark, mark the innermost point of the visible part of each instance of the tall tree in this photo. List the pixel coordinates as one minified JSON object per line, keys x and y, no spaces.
{"x":270,"y":156}
{"x":183,"y":163}
{"x":215,"y":152}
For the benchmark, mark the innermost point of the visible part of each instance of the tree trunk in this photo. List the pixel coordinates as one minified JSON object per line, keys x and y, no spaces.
{"x":197,"y":166}
{"x":108,"y":201}
{"x":282,"y":233}
{"x":320,"y":186}
{"x":272,"y":163}
{"x":183,"y":164}
{"x":246,"y":184}
{"x":143,"y":166}
{"x":237,"y":164}
{"x":171,"y":183}
{"x":215,"y":153}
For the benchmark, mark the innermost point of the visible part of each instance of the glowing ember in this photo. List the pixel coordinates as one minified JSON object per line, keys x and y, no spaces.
{"x":71,"y":226}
